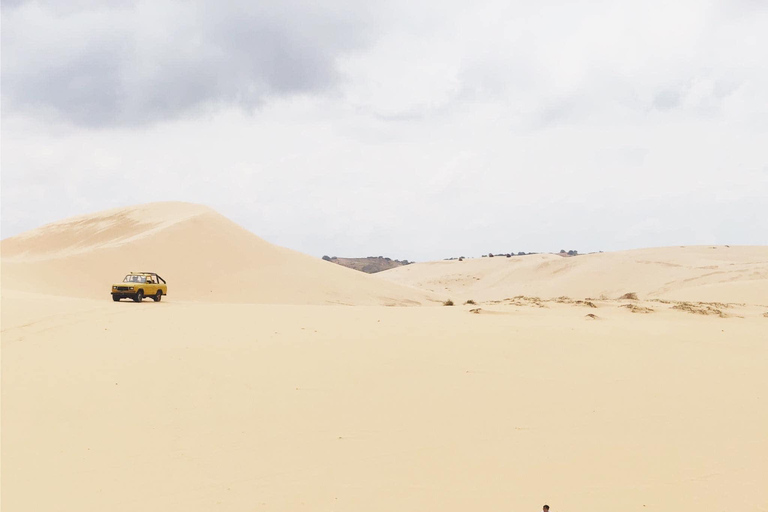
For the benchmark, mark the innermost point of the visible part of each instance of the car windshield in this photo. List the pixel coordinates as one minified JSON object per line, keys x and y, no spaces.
{"x":134,"y":279}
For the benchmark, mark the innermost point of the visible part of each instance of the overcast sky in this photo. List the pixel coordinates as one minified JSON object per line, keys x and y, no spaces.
{"x":417,"y":130}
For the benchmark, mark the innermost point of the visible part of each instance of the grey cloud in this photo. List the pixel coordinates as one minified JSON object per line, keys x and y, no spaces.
{"x":96,"y":66}
{"x":666,"y":99}
{"x":430,"y":133}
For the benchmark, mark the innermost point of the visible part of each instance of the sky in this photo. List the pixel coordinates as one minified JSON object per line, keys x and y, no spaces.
{"x":418,"y":130}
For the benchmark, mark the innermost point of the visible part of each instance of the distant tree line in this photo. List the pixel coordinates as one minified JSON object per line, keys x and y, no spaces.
{"x":507,"y":254}
{"x":563,"y":252}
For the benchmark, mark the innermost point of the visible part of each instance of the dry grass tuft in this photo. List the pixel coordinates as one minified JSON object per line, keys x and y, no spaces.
{"x":637,"y":309}
{"x":702,"y":308}
{"x":567,"y":300}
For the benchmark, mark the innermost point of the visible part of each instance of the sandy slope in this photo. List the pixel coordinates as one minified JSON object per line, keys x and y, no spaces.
{"x":202,"y":255}
{"x":200,"y":404}
{"x":723,"y":274}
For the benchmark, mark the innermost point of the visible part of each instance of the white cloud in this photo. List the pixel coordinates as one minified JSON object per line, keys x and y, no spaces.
{"x":446,"y":129}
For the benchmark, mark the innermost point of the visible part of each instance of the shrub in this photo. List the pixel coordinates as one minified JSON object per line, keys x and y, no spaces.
{"x":449,"y":302}
{"x":470,"y":301}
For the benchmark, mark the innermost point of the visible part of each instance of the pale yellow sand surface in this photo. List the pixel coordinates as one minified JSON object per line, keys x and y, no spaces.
{"x":698,"y":273}
{"x":197,"y":403}
{"x":203,"y":255}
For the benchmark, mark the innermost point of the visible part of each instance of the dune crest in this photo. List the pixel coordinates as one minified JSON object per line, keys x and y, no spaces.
{"x":203,"y":255}
{"x":109,"y":228}
{"x":701,"y":273}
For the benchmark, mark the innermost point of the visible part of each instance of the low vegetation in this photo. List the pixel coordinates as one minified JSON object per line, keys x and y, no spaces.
{"x":637,"y":309}
{"x":507,"y":254}
{"x":703,"y":308}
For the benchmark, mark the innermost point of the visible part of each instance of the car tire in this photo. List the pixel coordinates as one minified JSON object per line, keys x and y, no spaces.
{"x":158,"y":296}
{"x":116,"y":298}
{"x":139,"y":296}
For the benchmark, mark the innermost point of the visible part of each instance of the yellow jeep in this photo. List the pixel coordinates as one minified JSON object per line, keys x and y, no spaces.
{"x":138,"y":285}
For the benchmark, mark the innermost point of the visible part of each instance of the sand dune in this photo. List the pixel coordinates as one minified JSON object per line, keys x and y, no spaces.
{"x":722,"y":273}
{"x":200,"y":404}
{"x":202,"y":255}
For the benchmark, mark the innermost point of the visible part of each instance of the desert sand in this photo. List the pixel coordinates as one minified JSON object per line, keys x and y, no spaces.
{"x":271,"y":380}
{"x":708,"y":273}
{"x":206,"y":256}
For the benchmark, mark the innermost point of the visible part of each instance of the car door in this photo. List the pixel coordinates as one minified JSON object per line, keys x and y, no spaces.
{"x":150,"y":288}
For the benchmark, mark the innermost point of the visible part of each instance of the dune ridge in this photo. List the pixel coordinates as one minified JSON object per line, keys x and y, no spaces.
{"x":203,"y":256}
{"x":699,"y":273}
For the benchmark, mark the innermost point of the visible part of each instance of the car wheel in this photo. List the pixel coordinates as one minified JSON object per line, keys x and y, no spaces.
{"x":139,"y":296}
{"x":158,"y":296}
{"x":116,"y":298}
